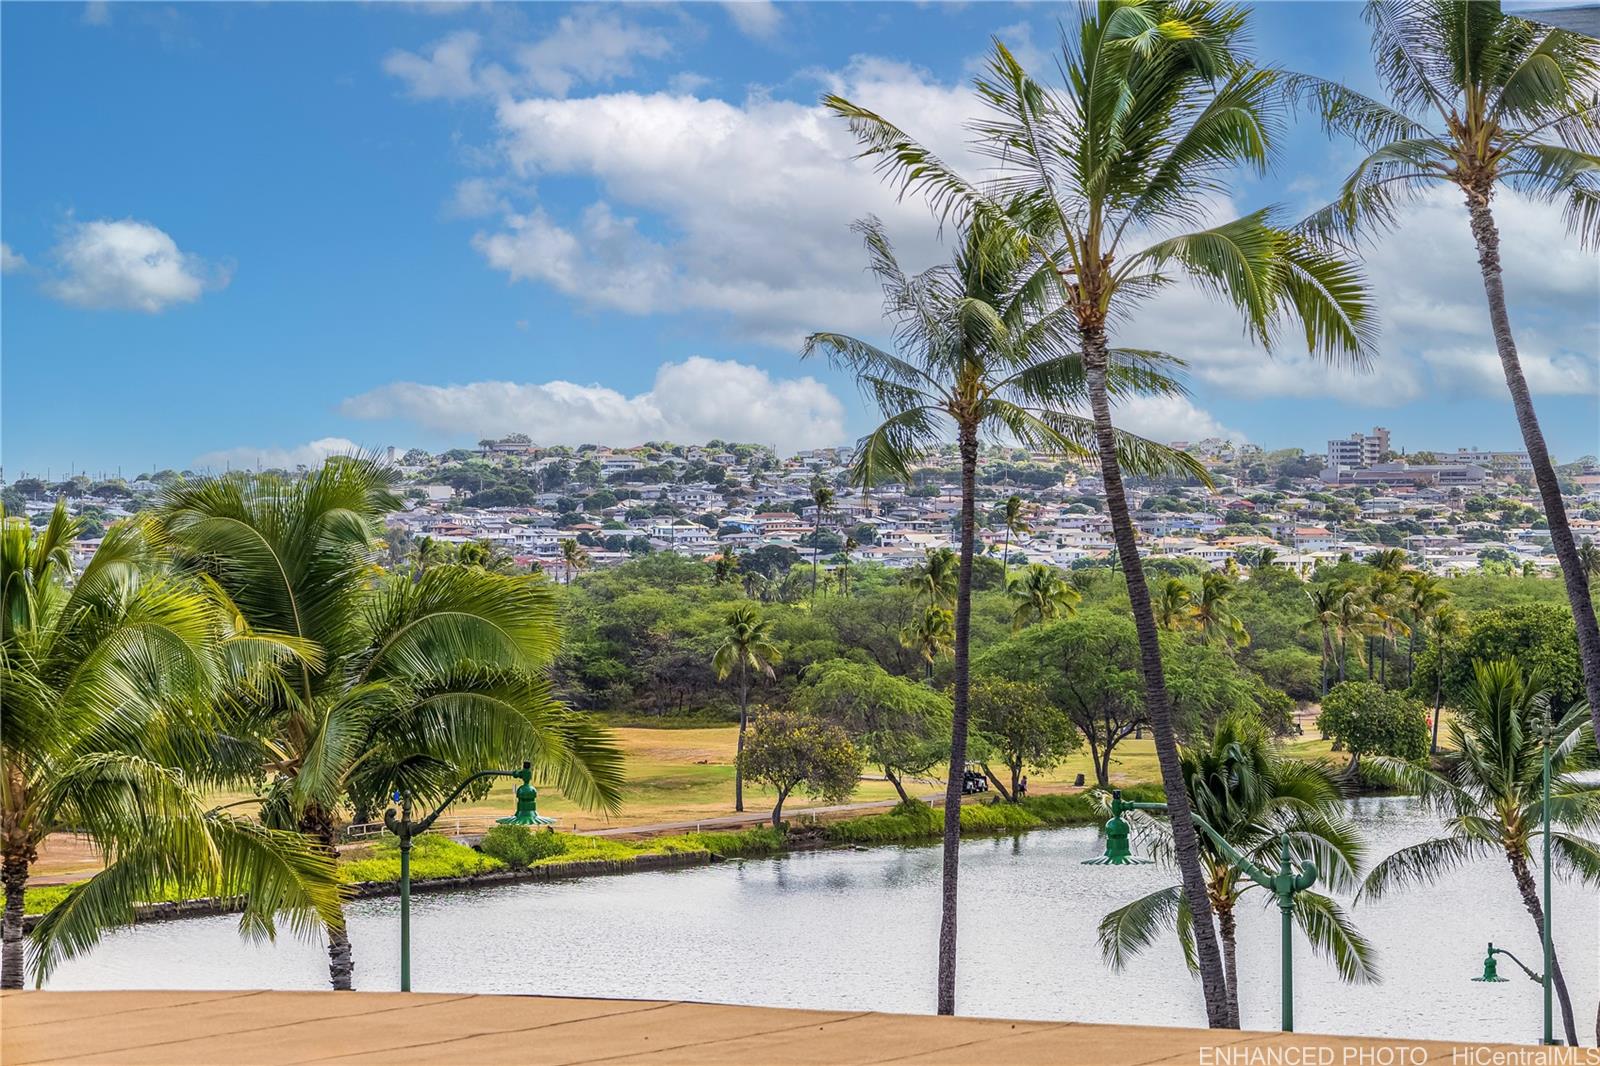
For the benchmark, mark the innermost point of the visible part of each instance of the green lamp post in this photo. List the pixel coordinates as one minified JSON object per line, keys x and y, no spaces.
{"x":1285,"y":884}
{"x":1546,"y":978}
{"x":404,"y":828}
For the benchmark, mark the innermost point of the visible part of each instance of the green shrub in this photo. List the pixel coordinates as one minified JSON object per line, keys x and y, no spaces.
{"x":760,"y":840}
{"x":518,"y":846}
{"x":998,"y":818}
{"x":431,"y":856}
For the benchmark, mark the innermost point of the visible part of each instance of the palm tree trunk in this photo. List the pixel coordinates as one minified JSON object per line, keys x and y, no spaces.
{"x":1487,"y":237}
{"x":1228,"y":930}
{"x":1005,"y":559}
{"x":1327,"y":653}
{"x":1530,"y":900}
{"x":14,"y":876}
{"x":968,"y":443}
{"x":1158,"y":708}
{"x":816,"y":553}
{"x":1438,"y":698}
{"x":738,"y":759}
{"x":318,"y":825}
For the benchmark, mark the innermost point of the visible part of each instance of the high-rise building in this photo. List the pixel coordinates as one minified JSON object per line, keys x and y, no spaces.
{"x":1359,"y":449}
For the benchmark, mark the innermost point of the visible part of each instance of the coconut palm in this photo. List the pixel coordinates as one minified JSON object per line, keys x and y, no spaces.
{"x":1479,"y":101}
{"x":931,"y":634}
{"x":746,"y":646}
{"x":573,"y":558}
{"x":1446,"y":623}
{"x":1424,"y":596}
{"x":821,"y":499}
{"x":937,"y":576}
{"x":1014,"y":518}
{"x":1589,"y":559}
{"x":428,"y":552}
{"x":1174,"y":604}
{"x":412,"y":686}
{"x":1213,"y":615}
{"x":977,"y":349}
{"x":1387,"y":599}
{"x":1160,"y":112}
{"x":1038,"y":594}
{"x":1353,"y":616}
{"x":1324,"y":618}
{"x":1489,"y":791}
{"x":1252,"y":796}
{"x":109,"y":681}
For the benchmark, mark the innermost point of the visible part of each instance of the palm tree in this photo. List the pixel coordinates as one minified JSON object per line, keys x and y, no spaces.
{"x":843,"y":572}
{"x":1480,"y":100}
{"x":821,"y":499}
{"x":1213,"y":616}
{"x":428,"y":552}
{"x":746,"y":645}
{"x":937,"y":576}
{"x":1252,"y":796}
{"x":573,"y":558}
{"x":1161,"y":110}
{"x":1039,"y":595}
{"x":975,"y":351}
{"x":411,"y":685}
{"x":108,"y":683}
{"x":1386,"y":599}
{"x":1325,"y":617}
{"x":1015,"y":521}
{"x":1424,"y":596}
{"x":1445,"y":624}
{"x":1174,"y":604}
{"x":931,"y":634}
{"x":1589,"y":559}
{"x":1489,"y":790}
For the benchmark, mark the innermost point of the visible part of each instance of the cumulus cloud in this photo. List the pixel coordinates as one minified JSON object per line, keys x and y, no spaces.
{"x":1169,"y":418}
{"x":770,"y":249}
{"x":584,"y":47}
{"x":760,"y":19}
{"x":127,"y":265}
{"x":11,"y":261}
{"x":696,"y":399}
{"x":246,"y":457}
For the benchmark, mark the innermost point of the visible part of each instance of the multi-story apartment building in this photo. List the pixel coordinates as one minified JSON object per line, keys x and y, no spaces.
{"x":1359,"y":449}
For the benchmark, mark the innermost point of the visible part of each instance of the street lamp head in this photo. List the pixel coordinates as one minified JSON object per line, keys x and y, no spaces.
{"x":1490,"y":969}
{"x":527,"y":801}
{"x":1117,"y":853}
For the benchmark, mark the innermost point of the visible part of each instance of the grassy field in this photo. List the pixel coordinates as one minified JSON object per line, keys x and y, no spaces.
{"x":684,"y":776}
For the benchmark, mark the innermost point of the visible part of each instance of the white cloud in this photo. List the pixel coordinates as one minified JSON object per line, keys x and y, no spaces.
{"x":1169,"y":418}
{"x":694,"y":400}
{"x":687,"y":82}
{"x":127,"y":265}
{"x":96,"y":13}
{"x":585,"y":47}
{"x":476,"y":198}
{"x":445,"y":73}
{"x":10,"y":261}
{"x":248,"y":458}
{"x":755,"y":18}
{"x":772,"y":248}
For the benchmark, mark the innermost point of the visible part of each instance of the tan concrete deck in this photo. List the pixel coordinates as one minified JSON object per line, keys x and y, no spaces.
{"x":394,"y":1029}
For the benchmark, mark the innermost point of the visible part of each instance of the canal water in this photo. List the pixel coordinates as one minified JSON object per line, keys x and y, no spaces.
{"x":858,"y":930}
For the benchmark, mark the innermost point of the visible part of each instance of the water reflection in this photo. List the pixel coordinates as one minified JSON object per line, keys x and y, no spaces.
{"x":858,"y":930}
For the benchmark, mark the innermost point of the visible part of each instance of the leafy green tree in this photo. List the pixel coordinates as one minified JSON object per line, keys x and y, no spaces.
{"x":1016,"y":721}
{"x":1088,"y":666}
{"x":1368,"y":719}
{"x":1252,"y":796}
{"x":974,"y":352}
{"x":1039,"y":594}
{"x":789,"y":751}
{"x":1489,"y":789}
{"x":1480,"y":100}
{"x":746,"y":646}
{"x":109,"y":680}
{"x":404,"y":686}
{"x":901,"y":727}
{"x":1162,"y":109}
{"x":1539,"y":636}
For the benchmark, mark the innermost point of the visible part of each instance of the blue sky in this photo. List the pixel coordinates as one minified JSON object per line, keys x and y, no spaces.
{"x":261,"y":232}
